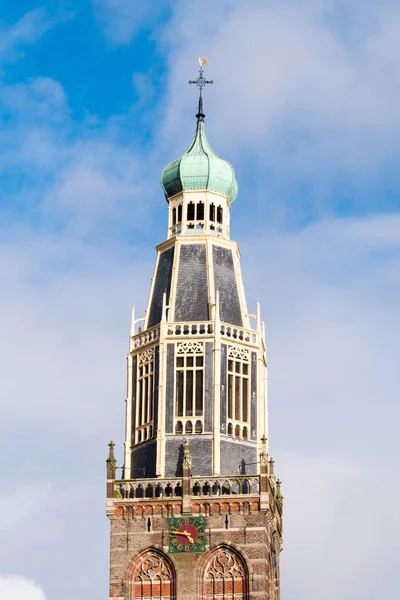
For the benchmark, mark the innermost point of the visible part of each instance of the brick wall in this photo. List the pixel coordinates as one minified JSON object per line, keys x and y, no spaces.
{"x":235,"y":526}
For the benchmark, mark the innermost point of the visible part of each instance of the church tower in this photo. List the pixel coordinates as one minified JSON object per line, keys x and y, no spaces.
{"x":196,"y":513}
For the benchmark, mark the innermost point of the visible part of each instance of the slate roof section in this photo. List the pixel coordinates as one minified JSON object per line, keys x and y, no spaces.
{"x":162,"y":284}
{"x":225,"y":282}
{"x":192,"y":290}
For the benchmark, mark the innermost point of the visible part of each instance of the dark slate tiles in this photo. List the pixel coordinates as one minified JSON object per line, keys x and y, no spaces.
{"x":162,"y":284}
{"x":191,"y":302}
{"x":225,"y":282}
{"x":200,"y":448}
{"x":238,"y":457}
{"x":144,"y":459}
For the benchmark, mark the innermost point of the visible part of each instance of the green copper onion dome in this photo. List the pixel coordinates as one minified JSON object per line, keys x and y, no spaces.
{"x":199,"y":169}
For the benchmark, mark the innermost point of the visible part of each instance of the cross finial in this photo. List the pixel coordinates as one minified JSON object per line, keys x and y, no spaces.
{"x":201,"y":82}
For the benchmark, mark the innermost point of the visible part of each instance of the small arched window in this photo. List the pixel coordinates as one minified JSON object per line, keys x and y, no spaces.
{"x":180,"y":213}
{"x":212,"y":212}
{"x":139,"y":437}
{"x":230,"y":429}
{"x":174,"y":216}
{"x":245,"y":433}
{"x":190,"y":211}
{"x":179,"y":428}
{"x":198,"y":428}
{"x":189,"y":427}
{"x":145,"y":434}
{"x":237,"y":431}
{"x":219,"y":214}
{"x":200,"y":212}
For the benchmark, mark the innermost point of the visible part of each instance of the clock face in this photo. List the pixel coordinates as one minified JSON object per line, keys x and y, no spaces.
{"x":187,"y":534}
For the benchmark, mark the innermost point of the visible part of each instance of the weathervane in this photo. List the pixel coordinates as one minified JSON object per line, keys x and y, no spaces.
{"x":201,"y":82}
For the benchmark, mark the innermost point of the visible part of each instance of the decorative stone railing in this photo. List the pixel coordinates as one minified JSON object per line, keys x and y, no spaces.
{"x":205,"y":328}
{"x":146,"y":337}
{"x":201,"y":487}
{"x":202,"y":495}
{"x":182,"y":329}
{"x":248,"y":336}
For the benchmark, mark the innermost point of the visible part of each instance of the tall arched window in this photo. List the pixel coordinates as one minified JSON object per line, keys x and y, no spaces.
{"x":225,"y":576}
{"x":212,"y":212}
{"x":152,"y":576}
{"x":190,"y":211}
{"x":200,"y":211}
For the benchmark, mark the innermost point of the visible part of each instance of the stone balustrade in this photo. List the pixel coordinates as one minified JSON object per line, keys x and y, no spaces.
{"x":201,"y":487}
{"x":206,"y":328}
{"x":143,"y":338}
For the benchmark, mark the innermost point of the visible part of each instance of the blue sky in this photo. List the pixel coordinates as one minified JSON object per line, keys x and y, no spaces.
{"x":94,"y":101}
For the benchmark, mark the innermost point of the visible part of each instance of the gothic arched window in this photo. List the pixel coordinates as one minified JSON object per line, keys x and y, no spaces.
{"x":152,"y":576}
{"x":225,"y":576}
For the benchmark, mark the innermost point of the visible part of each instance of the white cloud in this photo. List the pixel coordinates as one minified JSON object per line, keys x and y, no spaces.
{"x":122,"y":19}
{"x":74,"y":180}
{"x":14,"y":586}
{"x":19,"y":503}
{"x":333,"y":546}
{"x":292,"y":87}
{"x":27,"y":31}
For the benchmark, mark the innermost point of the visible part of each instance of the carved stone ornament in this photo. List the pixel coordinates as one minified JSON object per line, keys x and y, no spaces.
{"x":189,"y":348}
{"x":187,"y":458}
{"x":238,"y":352}
{"x":146,"y":356}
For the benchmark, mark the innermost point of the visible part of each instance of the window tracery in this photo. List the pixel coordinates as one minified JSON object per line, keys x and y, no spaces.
{"x":225,"y":576}
{"x":238,"y":352}
{"x":152,"y":577}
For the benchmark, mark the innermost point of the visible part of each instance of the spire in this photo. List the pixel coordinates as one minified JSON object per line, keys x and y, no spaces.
{"x":111,"y":461}
{"x":278,"y":490}
{"x":200,"y":115}
{"x":201,"y":82}
{"x":187,"y":458}
{"x":264,"y":454}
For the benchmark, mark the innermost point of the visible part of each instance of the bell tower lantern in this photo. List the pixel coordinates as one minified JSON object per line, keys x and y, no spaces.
{"x":198,"y":510}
